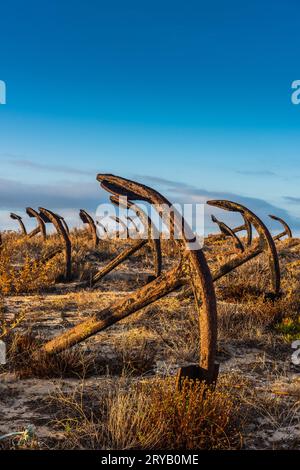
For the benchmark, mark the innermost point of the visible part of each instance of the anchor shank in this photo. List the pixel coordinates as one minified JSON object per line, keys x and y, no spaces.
{"x":148,"y":294}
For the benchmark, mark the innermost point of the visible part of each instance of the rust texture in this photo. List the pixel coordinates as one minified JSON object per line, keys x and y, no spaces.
{"x":192,"y":268}
{"x":20,"y":221}
{"x":227,"y":231}
{"x":286,"y":232}
{"x":266,"y":243}
{"x":57,"y":221}
{"x":41,"y":228}
{"x":88,"y":219}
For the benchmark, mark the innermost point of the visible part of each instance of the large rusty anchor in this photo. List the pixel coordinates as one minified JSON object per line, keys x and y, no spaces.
{"x":58,"y":222}
{"x":192,"y":268}
{"x":152,"y":238}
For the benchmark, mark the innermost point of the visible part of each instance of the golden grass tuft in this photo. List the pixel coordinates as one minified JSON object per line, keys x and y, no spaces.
{"x":150,"y":414}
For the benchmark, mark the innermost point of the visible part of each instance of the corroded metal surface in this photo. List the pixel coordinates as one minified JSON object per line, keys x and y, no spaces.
{"x":287,"y":231}
{"x":88,"y":219}
{"x":57,"y":221}
{"x":20,"y":221}
{"x":192,"y":268}
{"x":266,"y":243}
{"x":227,"y":231}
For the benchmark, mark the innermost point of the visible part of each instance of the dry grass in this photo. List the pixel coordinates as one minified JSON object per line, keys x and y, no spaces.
{"x":25,"y":360}
{"x":147,"y":415}
{"x":23,"y":269}
{"x":132,"y":402}
{"x":22,"y":273}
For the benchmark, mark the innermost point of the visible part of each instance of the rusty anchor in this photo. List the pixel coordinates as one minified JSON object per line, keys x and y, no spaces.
{"x":228,"y":232}
{"x":58,"y":222}
{"x":266,"y":243}
{"x":41,"y":227}
{"x":88,"y":219}
{"x":192,"y":268}
{"x":286,"y":232}
{"x":246,"y":226}
{"x":20,"y":221}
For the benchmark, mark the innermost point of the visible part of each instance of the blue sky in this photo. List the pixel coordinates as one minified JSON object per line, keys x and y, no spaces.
{"x":193,"y":98}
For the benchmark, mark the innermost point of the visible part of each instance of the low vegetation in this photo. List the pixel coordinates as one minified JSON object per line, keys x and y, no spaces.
{"x":117,"y":389}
